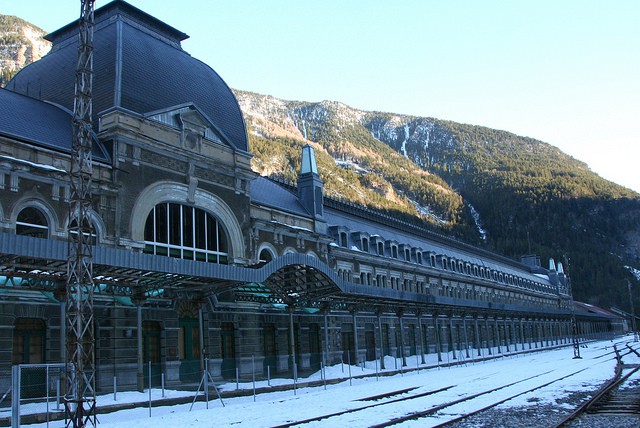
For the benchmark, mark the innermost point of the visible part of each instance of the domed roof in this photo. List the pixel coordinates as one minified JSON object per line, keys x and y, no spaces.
{"x":138,"y":65}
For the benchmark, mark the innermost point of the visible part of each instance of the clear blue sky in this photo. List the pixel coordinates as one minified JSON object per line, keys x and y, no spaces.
{"x":566,"y":72}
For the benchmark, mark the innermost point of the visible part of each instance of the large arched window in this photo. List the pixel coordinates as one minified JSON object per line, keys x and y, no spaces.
{"x":185,"y":232}
{"x":32,"y":222}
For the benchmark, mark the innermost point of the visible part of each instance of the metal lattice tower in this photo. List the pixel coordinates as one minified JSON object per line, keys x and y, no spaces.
{"x":80,"y":394}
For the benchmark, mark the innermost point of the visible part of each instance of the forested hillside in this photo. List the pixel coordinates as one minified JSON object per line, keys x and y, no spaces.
{"x":511,"y":194}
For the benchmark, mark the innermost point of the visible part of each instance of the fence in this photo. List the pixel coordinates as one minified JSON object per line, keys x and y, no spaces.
{"x":36,"y":388}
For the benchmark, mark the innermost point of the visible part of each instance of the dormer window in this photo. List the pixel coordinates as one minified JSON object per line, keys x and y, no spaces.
{"x":343,"y":239}
{"x":365,"y":245}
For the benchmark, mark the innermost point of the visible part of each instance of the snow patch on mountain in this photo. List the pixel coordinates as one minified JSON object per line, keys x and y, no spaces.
{"x":425,"y":211}
{"x":348,"y":164}
{"x":476,"y":218}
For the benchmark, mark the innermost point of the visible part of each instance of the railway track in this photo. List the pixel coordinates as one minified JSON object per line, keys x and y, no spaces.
{"x":507,"y":393}
{"x":446,"y":411}
{"x":613,"y":399}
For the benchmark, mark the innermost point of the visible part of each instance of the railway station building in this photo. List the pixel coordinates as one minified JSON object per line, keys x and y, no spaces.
{"x":198,"y":259}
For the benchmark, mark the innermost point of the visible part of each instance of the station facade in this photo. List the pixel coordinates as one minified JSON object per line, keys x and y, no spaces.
{"x":197,"y":258}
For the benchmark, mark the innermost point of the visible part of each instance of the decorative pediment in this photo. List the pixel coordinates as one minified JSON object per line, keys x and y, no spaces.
{"x":193,"y":125}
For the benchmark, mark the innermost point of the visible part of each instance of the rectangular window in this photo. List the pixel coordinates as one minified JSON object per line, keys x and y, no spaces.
{"x":200,"y":229}
{"x":161,"y":226}
{"x":174,"y":224}
{"x":212,"y":234}
{"x":187,"y":227}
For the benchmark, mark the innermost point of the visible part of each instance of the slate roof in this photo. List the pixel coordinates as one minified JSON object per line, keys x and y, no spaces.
{"x":443,"y":246}
{"x":139,"y":66}
{"x":268,"y":193}
{"x":40,"y":123}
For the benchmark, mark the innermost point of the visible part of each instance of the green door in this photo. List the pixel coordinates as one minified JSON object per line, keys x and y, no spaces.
{"x":189,"y":350}
{"x":270,"y":349}
{"x":28,"y":348}
{"x":314,"y":346}
{"x":228,"y":350}
{"x":151,"y":352}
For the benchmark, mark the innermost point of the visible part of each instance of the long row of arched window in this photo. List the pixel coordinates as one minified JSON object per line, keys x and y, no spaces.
{"x":171,"y":229}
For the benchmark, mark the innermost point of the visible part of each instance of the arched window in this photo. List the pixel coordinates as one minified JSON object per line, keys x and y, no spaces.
{"x":265,"y":256}
{"x":32,"y":222}
{"x":90,"y":236}
{"x":185,"y":232}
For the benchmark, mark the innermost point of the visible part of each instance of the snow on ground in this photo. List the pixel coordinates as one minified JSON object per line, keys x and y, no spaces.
{"x":274,"y":408}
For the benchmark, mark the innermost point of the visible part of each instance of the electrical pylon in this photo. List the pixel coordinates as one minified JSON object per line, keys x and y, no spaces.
{"x":80,"y":395}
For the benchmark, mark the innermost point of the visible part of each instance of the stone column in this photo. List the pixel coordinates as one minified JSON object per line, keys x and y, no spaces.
{"x":486,"y":330}
{"x":381,"y":340}
{"x":292,"y":338}
{"x":201,"y":337}
{"x":466,"y":340}
{"x":477,"y":334}
{"x":402,"y":353}
{"x":355,"y":338}
{"x":497,"y":334}
{"x":140,"y":373}
{"x":453,"y":346}
{"x":421,"y":333}
{"x":506,"y":334}
{"x":437,"y":333}
{"x":325,"y":316}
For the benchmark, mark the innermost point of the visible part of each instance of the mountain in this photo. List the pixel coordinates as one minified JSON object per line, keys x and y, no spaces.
{"x":507,"y":193}
{"x":21,"y":43}
{"x":511,"y":194}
